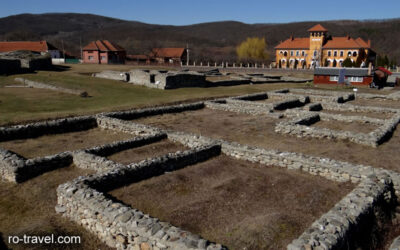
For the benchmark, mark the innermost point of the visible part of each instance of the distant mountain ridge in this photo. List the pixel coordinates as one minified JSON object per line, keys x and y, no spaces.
{"x":208,"y":41}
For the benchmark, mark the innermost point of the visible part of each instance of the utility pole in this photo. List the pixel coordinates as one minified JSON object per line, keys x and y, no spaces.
{"x":62,"y":41}
{"x":187,"y":54}
{"x":80,"y":45}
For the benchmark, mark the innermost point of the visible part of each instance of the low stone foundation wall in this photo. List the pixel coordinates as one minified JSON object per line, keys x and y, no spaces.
{"x":337,"y":117}
{"x":124,"y":126}
{"x":121,"y":226}
{"x":167,"y":79}
{"x":244,"y":107}
{"x":392,"y":96}
{"x":115,"y":147}
{"x":252,"y":97}
{"x":357,"y":108}
{"x":360,"y":213}
{"x":40,"y":85}
{"x":48,"y":127}
{"x":94,"y":158}
{"x":145,"y":112}
{"x":353,"y":222}
{"x":15,"y":168}
{"x":346,"y":96}
{"x":112,"y":75}
{"x":299,"y":127}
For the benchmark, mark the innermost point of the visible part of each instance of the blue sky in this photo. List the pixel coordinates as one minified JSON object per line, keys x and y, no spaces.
{"x":179,"y":12}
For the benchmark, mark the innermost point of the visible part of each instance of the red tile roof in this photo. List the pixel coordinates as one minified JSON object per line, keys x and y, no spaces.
{"x":384,"y":70}
{"x":167,"y":52}
{"x":39,"y":46}
{"x":318,"y":27}
{"x":103,"y":45}
{"x":295,"y":43}
{"x":345,"y":43}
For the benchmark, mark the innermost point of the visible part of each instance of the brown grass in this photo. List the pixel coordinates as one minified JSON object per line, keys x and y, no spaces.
{"x":376,"y":102}
{"x":147,"y":151}
{"x":237,"y":203}
{"x":52,"y":144}
{"x":28,"y":208}
{"x":356,"y":127}
{"x":367,"y":114}
{"x":259,"y":131}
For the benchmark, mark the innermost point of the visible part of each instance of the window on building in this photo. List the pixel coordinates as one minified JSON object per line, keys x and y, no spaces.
{"x":335,"y":53}
{"x":355,"y":53}
{"x":285,"y":53}
{"x":302,"y":53}
{"x":315,"y":53}
{"x":291,"y":53}
{"x":341,"y":53}
{"x":349,"y":54}
{"x":356,"y":79}
{"x":297,"y":53}
{"x":103,"y":58}
{"x":90,"y":58}
{"x":329,"y":53}
{"x":334,"y":78}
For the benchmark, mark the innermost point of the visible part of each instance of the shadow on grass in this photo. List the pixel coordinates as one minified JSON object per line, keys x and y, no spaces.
{"x":58,"y":68}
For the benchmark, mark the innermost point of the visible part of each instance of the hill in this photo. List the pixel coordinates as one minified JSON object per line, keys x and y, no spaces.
{"x":209,"y":41}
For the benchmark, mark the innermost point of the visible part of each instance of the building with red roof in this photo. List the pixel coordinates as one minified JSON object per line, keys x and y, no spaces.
{"x":319,"y":49}
{"x":169,"y":55}
{"x":103,"y":52}
{"x":35,"y":46}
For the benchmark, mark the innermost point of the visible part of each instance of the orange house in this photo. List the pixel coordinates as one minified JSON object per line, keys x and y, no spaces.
{"x":103,"y":52}
{"x":320,"y":50}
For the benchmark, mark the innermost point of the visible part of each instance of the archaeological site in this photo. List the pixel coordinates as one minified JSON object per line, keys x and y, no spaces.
{"x":291,"y":168}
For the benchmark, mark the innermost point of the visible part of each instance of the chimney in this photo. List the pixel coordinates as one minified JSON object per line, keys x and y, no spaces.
{"x":348,"y":37}
{"x":291,"y":37}
{"x":369,"y":43}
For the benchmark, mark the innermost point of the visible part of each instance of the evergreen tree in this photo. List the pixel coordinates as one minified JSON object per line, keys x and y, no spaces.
{"x":347,"y":63}
{"x":385,"y":61}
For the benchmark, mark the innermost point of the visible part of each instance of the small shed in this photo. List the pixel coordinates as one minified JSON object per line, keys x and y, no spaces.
{"x":353,"y":76}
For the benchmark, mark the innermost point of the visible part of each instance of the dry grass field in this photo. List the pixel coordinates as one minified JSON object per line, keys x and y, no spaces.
{"x":28,"y":208}
{"x":240,"y":204}
{"x":236,"y":203}
{"x":356,"y":127}
{"x":148,"y":151}
{"x":259,"y":131}
{"x":57,"y":143}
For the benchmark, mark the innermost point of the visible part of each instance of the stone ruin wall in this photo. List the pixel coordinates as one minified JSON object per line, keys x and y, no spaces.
{"x":83,"y":201}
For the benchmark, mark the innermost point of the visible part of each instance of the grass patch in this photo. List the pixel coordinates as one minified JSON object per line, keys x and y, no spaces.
{"x":28,"y":208}
{"x":23,"y":105}
{"x":57,"y":143}
{"x":236,"y":203}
